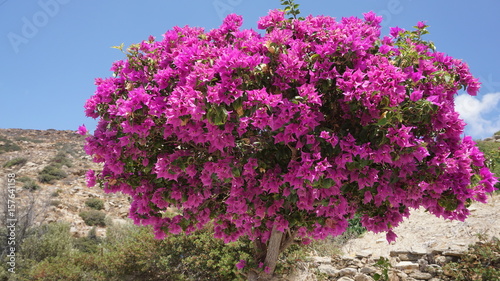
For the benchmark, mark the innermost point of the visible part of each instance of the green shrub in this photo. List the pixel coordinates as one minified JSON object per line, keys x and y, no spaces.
{"x":72,"y":268}
{"x":69,"y":148}
{"x":130,"y":252}
{"x":133,"y":252}
{"x":7,"y":145}
{"x":93,"y":217}
{"x":56,"y":193}
{"x":55,"y":203}
{"x":48,"y":240}
{"x":51,"y":173}
{"x":88,"y":244}
{"x":31,"y":185}
{"x":95,"y":203}
{"x":480,"y":262}
{"x":491,"y":152}
{"x":61,"y":160}
{"x":28,"y":140}
{"x":15,"y":162}
{"x":24,"y":179}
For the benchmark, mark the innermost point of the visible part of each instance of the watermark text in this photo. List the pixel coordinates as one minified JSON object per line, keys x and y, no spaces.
{"x":31,"y":25}
{"x":11,"y":222}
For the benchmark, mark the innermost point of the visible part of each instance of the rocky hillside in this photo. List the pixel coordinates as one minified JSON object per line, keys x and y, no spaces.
{"x":50,"y":169}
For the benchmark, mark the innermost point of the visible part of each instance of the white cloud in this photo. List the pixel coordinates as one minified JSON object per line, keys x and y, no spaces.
{"x":482,"y":114}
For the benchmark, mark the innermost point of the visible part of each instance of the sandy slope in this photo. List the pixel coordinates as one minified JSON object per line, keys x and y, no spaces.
{"x":423,"y":232}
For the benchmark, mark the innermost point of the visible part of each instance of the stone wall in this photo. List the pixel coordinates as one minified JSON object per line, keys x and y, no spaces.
{"x":404,"y":266}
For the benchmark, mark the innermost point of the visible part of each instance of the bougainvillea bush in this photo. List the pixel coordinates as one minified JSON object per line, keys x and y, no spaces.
{"x":288,"y":132}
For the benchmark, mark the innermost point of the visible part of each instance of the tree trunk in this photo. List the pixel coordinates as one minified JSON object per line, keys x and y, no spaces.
{"x":278,"y":242}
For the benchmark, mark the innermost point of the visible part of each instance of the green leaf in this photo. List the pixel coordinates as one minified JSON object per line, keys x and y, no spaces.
{"x":383,"y":121}
{"x":120,"y":47}
{"x":327,"y":183}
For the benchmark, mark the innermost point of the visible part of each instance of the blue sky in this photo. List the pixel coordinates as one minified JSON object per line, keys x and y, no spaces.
{"x":52,"y":50}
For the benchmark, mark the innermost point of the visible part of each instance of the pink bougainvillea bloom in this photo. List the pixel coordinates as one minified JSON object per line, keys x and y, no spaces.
{"x":241,"y":264}
{"x":82,"y":130}
{"x":421,"y":25}
{"x":391,"y":236}
{"x":91,"y":179}
{"x":395,"y":31}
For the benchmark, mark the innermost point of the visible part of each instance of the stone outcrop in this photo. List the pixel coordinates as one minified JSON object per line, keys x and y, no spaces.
{"x":404,"y":266}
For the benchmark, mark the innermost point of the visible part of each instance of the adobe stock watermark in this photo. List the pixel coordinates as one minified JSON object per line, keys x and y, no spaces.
{"x":490,"y":84}
{"x":225,"y":7}
{"x":31,"y":25}
{"x":393,"y":8}
{"x":11,"y":222}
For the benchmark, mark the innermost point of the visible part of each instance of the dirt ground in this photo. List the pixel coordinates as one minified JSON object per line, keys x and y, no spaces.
{"x":423,"y":232}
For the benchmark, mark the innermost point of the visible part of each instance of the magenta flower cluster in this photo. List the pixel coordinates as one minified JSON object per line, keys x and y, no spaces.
{"x":299,"y":128}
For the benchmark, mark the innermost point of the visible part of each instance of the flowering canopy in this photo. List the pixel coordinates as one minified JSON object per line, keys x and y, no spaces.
{"x":298,"y":129}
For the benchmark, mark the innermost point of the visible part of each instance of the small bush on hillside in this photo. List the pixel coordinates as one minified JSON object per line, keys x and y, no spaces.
{"x":72,"y":268}
{"x":62,"y":160}
{"x":491,"y":152}
{"x":480,"y":262}
{"x":51,"y":173}
{"x":69,"y":148}
{"x":7,"y":145}
{"x":15,"y":162}
{"x":134,"y":252}
{"x":28,"y":139}
{"x":55,"y":203}
{"x":93,"y":217}
{"x":95,"y":203}
{"x":47,"y":241}
{"x":24,"y":179}
{"x":31,"y":185}
{"x":89,"y":243}
{"x":56,"y":193}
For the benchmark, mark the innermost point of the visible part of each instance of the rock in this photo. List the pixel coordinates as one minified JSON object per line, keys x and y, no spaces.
{"x":416,"y":250}
{"x":362,"y":277}
{"x":440,"y":260}
{"x":364,"y":254}
{"x":368,"y":270}
{"x":345,"y":279}
{"x":402,"y":275}
{"x":432,"y":268}
{"x":328,"y":270}
{"x":422,"y":263}
{"x":301,"y":275}
{"x":453,"y":253}
{"x":356,"y":263}
{"x":407,"y":265}
{"x":317,"y":259}
{"x":348,"y":271}
{"x":73,"y":231}
{"x":421,"y":275}
{"x":393,"y":276}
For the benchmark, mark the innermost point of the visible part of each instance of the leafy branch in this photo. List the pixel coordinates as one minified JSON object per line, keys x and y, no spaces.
{"x":291,"y":9}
